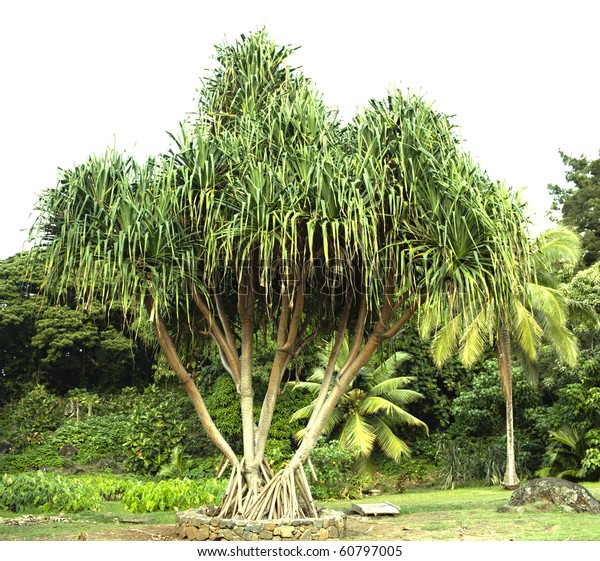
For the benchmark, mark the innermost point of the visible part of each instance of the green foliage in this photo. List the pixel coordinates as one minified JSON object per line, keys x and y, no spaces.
{"x":34,"y":458}
{"x":19,"y":307}
{"x":336,"y":476}
{"x":119,"y":403}
{"x":578,"y":203}
{"x":370,"y":413}
{"x":467,"y":460}
{"x":110,"y":487}
{"x":96,"y":438}
{"x":178,"y":464}
{"x":565,"y":454}
{"x":416,"y":471}
{"x":58,"y":345}
{"x":48,"y":492}
{"x":438,"y":386}
{"x":479,"y":410}
{"x":172,"y":494}
{"x":591,"y":461}
{"x":153,"y":430}
{"x":80,"y":403}
{"x":224,"y":407}
{"x":571,"y":420}
{"x":281,"y":437}
{"x":223,"y":403}
{"x":32,"y":418}
{"x":204,"y":468}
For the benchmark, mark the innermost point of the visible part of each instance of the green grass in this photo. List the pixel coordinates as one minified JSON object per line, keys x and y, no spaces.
{"x":472,"y":514}
{"x":426,"y":515}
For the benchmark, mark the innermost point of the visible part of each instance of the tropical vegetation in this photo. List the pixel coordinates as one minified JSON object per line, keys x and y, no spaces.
{"x":169,"y":319}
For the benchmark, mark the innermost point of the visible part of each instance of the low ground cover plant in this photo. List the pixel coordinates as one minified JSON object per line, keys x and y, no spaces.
{"x":47,"y":492}
{"x":172,"y":494}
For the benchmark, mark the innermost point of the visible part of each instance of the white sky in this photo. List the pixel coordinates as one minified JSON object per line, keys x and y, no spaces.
{"x":521,"y":78}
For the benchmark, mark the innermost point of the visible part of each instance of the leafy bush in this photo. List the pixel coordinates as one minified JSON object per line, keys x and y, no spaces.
{"x":334,"y":468}
{"x":120,"y":403}
{"x":152,"y":431}
{"x":44,"y":456}
{"x":462,"y":461}
{"x":413,"y":471}
{"x":172,"y":494}
{"x":204,"y":468}
{"x":31,"y":419}
{"x":179,"y":463}
{"x":110,"y":487}
{"x":479,"y":410}
{"x":223,"y":404}
{"x":570,"y":425}
{"x":48,"y":492}
{"x":96,"y":437}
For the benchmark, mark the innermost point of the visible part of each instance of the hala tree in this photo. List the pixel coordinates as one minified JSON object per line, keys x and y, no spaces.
{"x":270,"y":214}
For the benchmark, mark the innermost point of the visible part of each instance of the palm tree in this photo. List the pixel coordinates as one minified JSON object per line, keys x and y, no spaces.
{"x":270,"y":214}
{"x":368,"y":414}
{"x":539,"y":311}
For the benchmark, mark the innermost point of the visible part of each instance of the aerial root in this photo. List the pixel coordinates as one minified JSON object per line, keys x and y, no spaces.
{"x":284,"y":495}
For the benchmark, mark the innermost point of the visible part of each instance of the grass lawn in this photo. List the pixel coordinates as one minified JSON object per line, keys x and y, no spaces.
{"x":426,"y":515}
{"x":472,"y":514}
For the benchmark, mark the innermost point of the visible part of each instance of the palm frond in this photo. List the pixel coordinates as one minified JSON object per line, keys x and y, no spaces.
{"x":357,"y":435}
{"x":391,"y":445}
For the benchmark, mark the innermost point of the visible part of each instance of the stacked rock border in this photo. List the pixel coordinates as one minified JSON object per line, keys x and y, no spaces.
{"x":195,"y":524}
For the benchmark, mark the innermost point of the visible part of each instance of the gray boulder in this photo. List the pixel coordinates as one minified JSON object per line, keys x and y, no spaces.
{"x":557,"y":491}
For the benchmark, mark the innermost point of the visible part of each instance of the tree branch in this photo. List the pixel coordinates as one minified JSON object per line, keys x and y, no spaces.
{"x":168,"y":348}
{"x":225,"y":350}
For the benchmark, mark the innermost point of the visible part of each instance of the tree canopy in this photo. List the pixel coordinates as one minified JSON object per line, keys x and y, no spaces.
{"x":579,"y":203}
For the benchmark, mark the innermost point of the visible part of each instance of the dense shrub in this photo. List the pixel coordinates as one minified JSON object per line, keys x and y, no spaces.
{"x":172,"y":494}
{"x":334,"y":468}
{"x":224,"y":406}
{"x":33,"y":417}
{"x":282,"y":440}
{"x":48,"y":492}
{"x":479,"y":410}
{"x":461,"y":461}
{"x":95,"y":437}
{"x":110,"y":487}
{"x":152,"y":431}
{"x":44,"y":456}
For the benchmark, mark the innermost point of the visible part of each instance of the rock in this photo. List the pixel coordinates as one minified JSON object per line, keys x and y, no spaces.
{"x":74,"y":469}
{"x":111,"y":465}
{"x":4,"y":446}
{"x":556,"y":491}
{"x":68,"y":450}
{"x":287,"y":531}
{"x":198,"y":534}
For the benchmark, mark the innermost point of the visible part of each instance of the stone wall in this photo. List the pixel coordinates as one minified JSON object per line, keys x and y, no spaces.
{"x":194,"y":524}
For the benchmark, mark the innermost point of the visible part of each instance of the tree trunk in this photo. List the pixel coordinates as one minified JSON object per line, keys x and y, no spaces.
{"x":168,"y":349}
{"x":511,"y":480}
{"x":254,"y":492}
